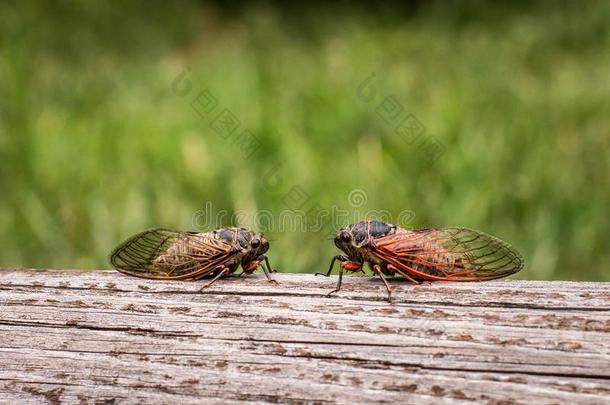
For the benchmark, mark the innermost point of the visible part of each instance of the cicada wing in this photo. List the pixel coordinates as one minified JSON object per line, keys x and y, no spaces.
{"x":168,"y":254}
{"x":451,"y":254}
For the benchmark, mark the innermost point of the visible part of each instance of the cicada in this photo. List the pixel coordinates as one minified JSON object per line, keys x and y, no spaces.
{"x":447,"y":254}
{"x":166,"y":254}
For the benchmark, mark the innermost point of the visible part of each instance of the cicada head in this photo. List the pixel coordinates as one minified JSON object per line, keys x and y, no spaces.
{"x":259,"y":244}
{"x":249,"y":246}
{"x":343,"y":239}
{"x":356,"y":236}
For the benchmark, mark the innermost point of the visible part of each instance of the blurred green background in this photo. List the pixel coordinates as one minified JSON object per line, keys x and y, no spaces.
{"x":95,"y":145}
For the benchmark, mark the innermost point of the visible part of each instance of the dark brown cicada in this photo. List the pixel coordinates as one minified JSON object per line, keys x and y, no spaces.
{"x":447,"y":254}
{"x":165,"y":254}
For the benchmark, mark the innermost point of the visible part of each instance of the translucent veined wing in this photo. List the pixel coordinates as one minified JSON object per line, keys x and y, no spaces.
{"x":451,"y":254}
{"x":168,"y":254}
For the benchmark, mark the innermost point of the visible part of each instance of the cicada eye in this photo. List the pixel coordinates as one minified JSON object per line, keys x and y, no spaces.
{"x":345,"y":236}
{"x":265,"y":245}
{"x":255,"y":243}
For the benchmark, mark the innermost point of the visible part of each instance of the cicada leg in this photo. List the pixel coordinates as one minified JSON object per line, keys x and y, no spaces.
{"x":345,"y":265}
{"x":377,"y":270}
{"x":271,"y":269}
{"x":268,"y":270}
{"x":222,"y":273}
{"x":338,"y":284}
{"x":341,"y":258}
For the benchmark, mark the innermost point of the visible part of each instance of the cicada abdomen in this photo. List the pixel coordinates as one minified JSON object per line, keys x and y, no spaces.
{"x":449,"y":253}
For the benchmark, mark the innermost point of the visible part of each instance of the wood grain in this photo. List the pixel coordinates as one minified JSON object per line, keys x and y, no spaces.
{"x":100,"y":337}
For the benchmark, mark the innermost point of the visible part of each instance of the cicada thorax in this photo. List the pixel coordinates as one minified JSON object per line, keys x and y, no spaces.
{"x":238,"y":237}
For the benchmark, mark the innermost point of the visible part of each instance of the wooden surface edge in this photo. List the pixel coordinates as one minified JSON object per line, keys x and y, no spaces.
{"x":72,"y":336}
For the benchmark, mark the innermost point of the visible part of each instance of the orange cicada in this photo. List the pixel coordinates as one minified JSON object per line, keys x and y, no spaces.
{"x":165,"y":254}
{"x":447,"y":254}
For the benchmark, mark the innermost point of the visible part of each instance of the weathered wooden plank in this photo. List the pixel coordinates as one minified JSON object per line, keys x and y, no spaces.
{"x":71,"y":336}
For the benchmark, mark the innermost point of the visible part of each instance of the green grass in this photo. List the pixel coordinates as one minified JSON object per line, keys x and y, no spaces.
{"x":95,"y":146}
